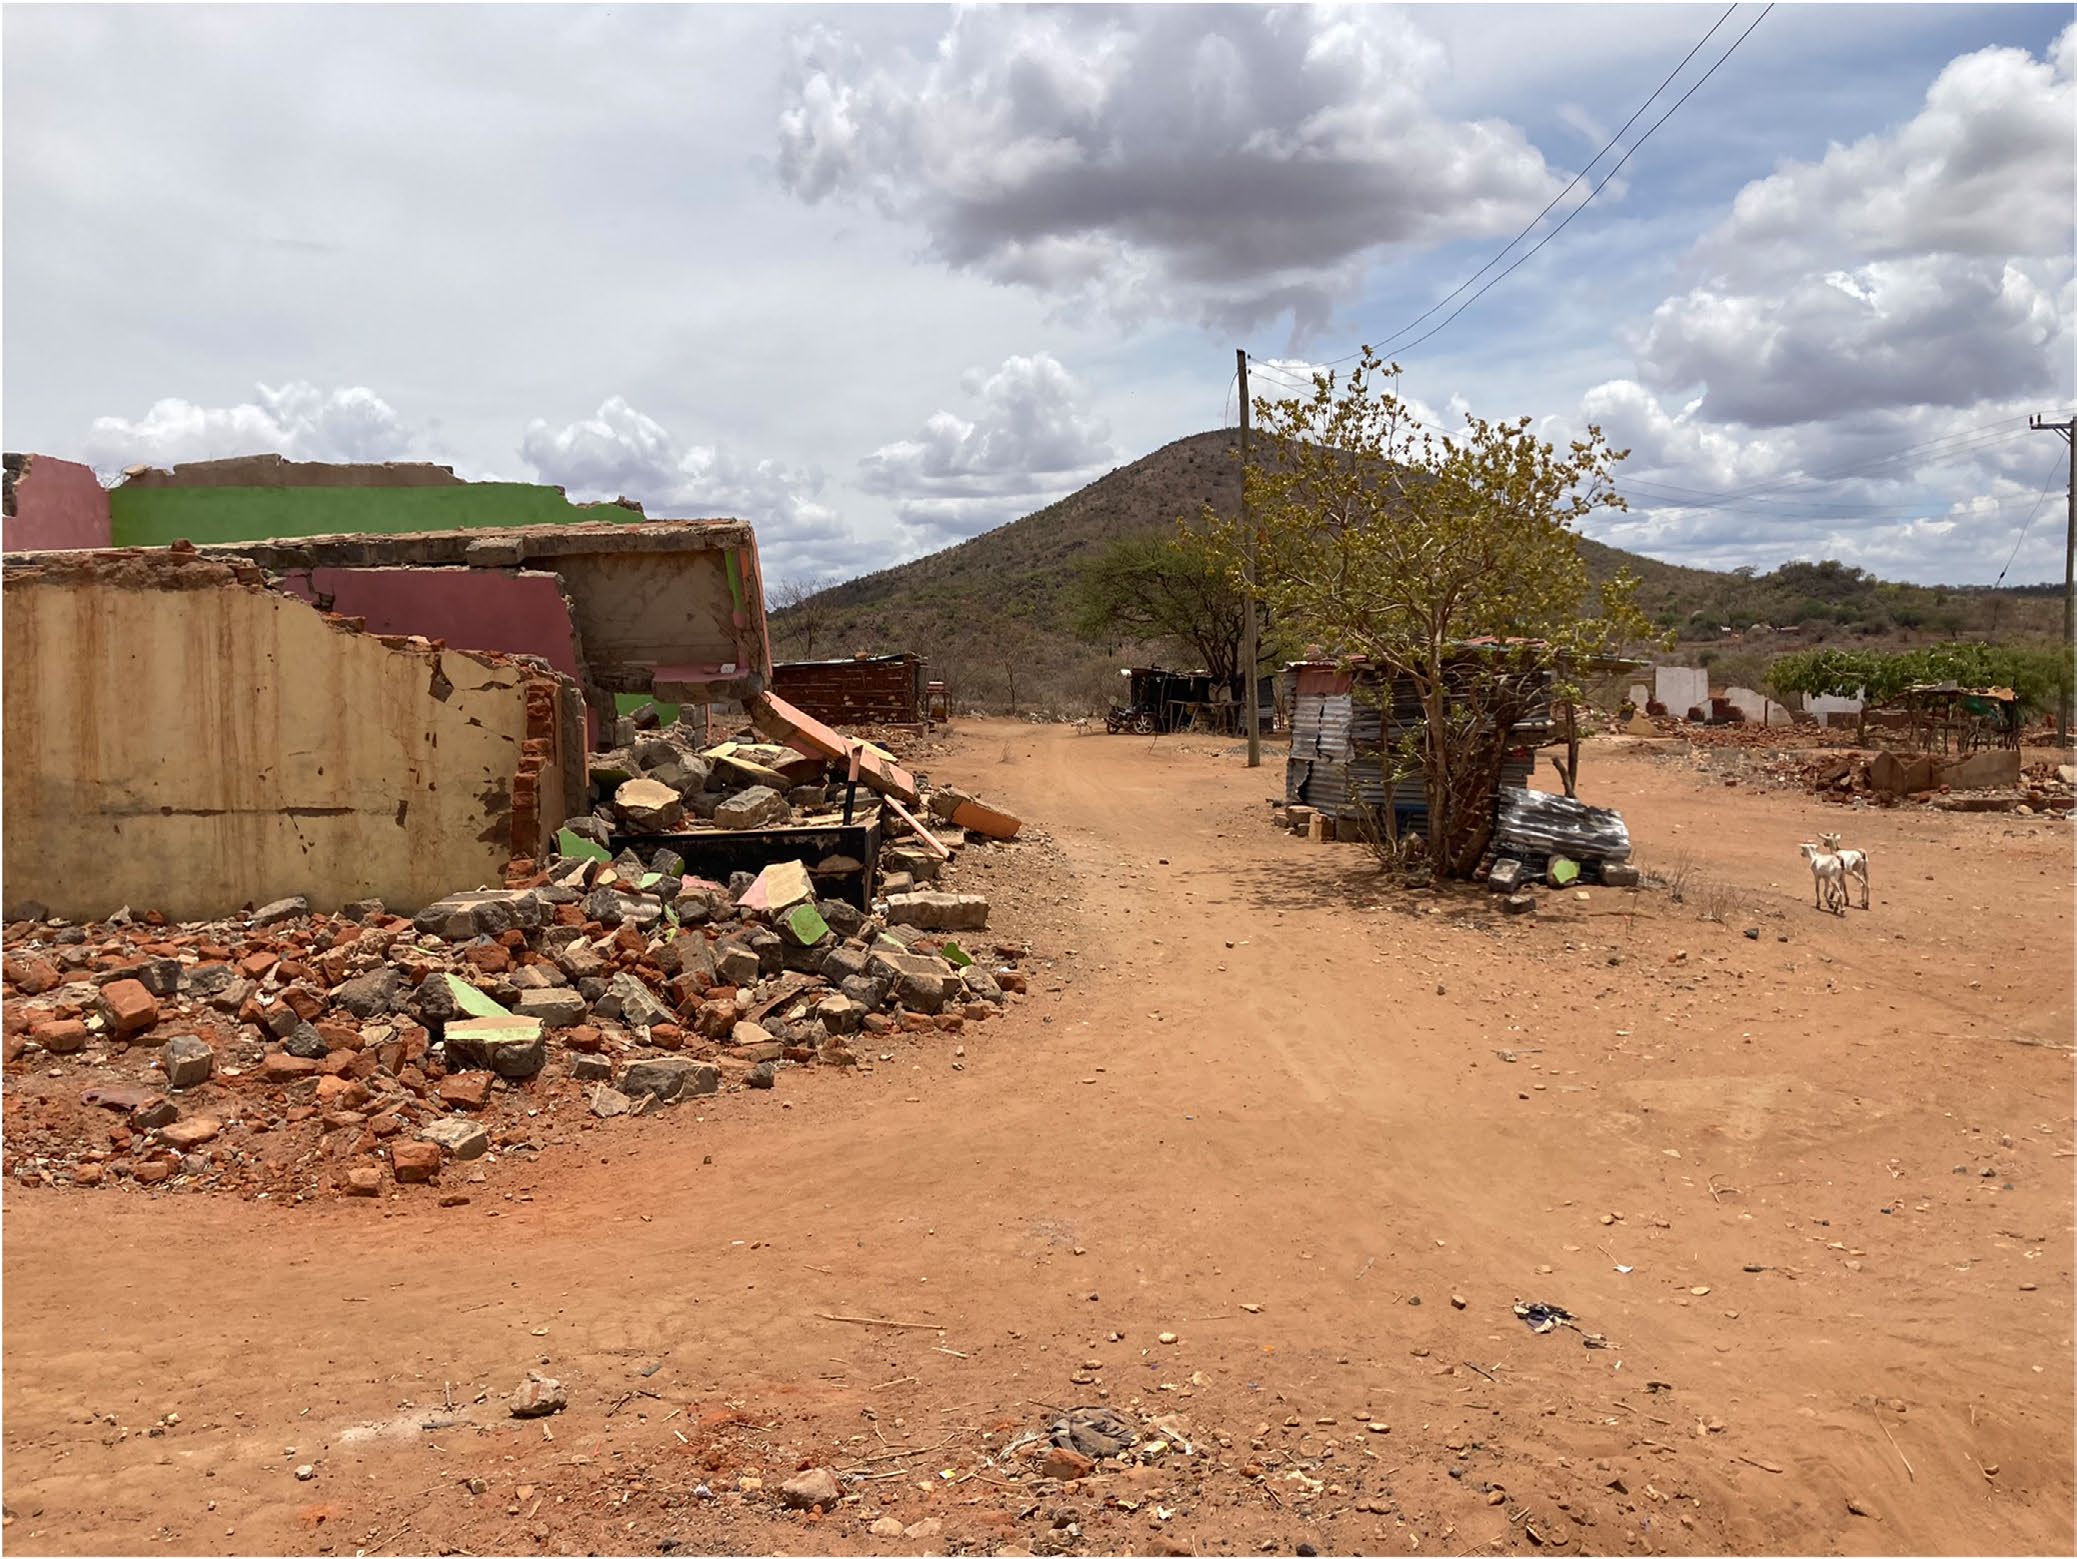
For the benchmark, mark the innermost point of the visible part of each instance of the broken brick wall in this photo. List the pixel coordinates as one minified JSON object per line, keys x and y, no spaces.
{"x":179,"y":737}
{"x":53,"y":504}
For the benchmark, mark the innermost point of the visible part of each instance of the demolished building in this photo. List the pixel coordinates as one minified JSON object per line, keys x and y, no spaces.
{"x":179,"y":736}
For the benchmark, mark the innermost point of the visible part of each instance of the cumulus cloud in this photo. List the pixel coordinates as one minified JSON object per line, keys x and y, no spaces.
{"x":298,"y":421}
{"x":1862,"y":338}
{"x":1029,"y":442}
{"x":619,"y":452}
{"x":1232,"y":163}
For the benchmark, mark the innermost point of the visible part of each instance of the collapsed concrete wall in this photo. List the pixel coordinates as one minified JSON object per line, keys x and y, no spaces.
{"x":669,"y":608}
{"x":180,"y":737}
{"x":1681,"y":688}
{"x":52,"y":504}
{"x":1757,"y":707}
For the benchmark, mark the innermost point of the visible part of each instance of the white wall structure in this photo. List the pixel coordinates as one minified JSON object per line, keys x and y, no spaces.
{"x":1757,"y":707}
{"x":1823,"y":704}
{"x":1680,"y":688}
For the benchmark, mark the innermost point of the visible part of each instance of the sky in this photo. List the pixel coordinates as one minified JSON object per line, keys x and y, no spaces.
{"x":880,"y":278}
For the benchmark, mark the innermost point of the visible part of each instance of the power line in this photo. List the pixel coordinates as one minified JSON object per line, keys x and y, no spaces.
{"x":1568,"y":189}
{"x":2054,"y":471}
{"x":1613,"y":141}
{"x":1529,"y":253}
{"x":1968,"y":441}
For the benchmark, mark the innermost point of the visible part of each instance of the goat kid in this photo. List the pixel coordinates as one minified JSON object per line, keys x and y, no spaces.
{"x":1852,"y":863}
{"x":1828,"y":879}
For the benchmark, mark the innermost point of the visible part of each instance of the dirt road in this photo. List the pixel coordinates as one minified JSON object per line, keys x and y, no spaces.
{"x":1812,"y":1187}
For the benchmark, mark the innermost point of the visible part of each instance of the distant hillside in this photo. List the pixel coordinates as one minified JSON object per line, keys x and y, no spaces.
{"x":991,"y":614}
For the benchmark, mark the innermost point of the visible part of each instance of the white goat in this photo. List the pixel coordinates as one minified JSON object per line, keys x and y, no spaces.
{"x":1852,"y":863}
{"x":1828,"y":878}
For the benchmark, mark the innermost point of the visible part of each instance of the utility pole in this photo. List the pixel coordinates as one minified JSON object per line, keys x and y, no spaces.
{"x":2068,"y":429}
{"x":1249,"y":652}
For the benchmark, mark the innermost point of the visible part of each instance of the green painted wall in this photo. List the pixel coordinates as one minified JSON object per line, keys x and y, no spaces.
{"x":158,"y":516}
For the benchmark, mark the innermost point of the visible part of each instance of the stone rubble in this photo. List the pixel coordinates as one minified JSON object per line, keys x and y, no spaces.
{"x":295,"y":1054}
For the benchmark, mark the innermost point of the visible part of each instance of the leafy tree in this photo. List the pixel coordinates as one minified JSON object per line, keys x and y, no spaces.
{"x":1392,"y":545}
{"x":1177,"y":589}
{"x":2038,"y":673}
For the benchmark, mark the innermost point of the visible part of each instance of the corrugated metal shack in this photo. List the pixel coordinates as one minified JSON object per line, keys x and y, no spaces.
{"x":1338,"y":736}
{"x":863,"y":690}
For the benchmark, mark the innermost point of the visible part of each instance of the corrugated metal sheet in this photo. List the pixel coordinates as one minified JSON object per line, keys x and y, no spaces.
{"x":1533,"y":823}
{"x":1336,"y":758}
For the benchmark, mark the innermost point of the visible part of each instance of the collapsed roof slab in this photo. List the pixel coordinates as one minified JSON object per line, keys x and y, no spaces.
{"x":671,"y":608}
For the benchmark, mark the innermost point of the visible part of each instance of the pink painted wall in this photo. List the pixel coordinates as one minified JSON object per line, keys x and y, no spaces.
{"x":470,"y":608}
{"x":58,"y":505}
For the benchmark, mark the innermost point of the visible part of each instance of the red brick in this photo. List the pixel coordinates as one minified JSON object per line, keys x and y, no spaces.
{"x":61,"y":1036}
{"x":32,"y":975}
{"x":87,"y":1174}
{"x":950,"y":1022}
{"x":281,"y":1067}
{"x":340,"y":1093}
{"x":584,"y":1037}
{"x":152,"y":1174}
{"x":569,"y":914}
{"x":289,"y":969}
{"x":192,"y":1132}
{"x":341,"y":1033}
{"x":254,"y":966}
{"x":129,"y":1007}
{"x":1011,"y":981}
{"x":411,"y":1160}
{"x":304,"y":1003}
{"x":488,"y":957}
{"x":666,"y":1036}
{"x":364,"y":1180}
{"x":470,"y":1090}
{"x":336,"y":1063}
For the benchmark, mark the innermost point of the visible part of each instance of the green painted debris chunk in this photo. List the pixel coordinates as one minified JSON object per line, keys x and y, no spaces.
{"x":806,"y":924}
{"x":471,"y":1000}
{"x":955,"y":955}
{"x":1563,"y":872}
{"x":649,"y":880}
{"x":578,"y":849}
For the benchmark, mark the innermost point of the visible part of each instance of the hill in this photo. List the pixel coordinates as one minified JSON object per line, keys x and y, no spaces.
{"x":991,"y":614}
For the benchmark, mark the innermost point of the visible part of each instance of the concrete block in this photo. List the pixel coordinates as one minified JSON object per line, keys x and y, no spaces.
{"x":939,"y":911}
{"x":509,"y":1046}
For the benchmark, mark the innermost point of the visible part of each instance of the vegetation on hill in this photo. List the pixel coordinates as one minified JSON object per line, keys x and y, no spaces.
{"x":994,"y":615}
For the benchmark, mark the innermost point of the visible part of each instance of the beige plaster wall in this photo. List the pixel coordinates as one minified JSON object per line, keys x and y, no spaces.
{"x":183,"y":739}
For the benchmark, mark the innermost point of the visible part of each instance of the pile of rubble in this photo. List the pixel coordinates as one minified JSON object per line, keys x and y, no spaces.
{"x":1891,"y":779}
{"x":299,"y":1054}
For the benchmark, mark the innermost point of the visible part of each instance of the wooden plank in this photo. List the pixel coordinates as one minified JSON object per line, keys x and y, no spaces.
{"x":902,"y":812}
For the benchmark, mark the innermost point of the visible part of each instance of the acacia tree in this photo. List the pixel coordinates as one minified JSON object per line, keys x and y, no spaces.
{"x":1178,"y":589}
{"x":1386,"y":543}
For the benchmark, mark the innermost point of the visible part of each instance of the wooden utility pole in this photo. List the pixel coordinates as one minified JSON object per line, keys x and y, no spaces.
{"x":1250,"y":651}
{"x":2068,"y":429}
